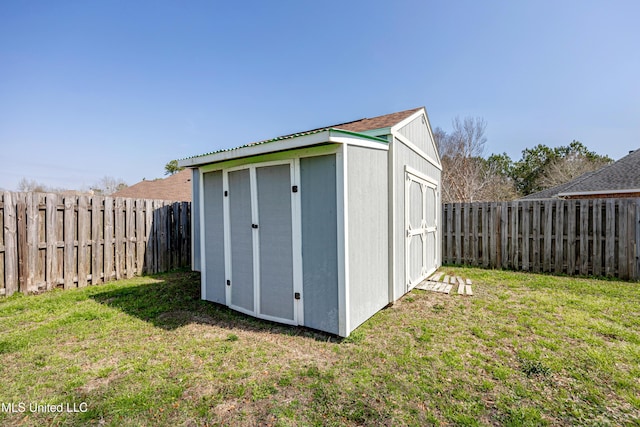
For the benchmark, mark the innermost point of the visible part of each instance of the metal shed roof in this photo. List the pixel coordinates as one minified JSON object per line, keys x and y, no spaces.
{"x":352,"y":128}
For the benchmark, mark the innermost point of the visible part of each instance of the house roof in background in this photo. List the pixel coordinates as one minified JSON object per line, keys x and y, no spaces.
{"x":620,"y":176}
{"x":176,"y":187}
{"x":356,"y":126}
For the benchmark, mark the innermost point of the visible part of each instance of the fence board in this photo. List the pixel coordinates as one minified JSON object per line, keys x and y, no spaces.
{"x":10,"y":245}
{"x":526,"y":247}
{"x":548,"y":236}
{"x":33,"y":227}
{"x":535,"y":235}
{"x":494,"y":257}
{"x":23,"y":259}
{"x":108,"y":239}
{"x":630,"y":256}
{"x":559,"y":235}
{"x":129,"y":219}
{"x":473,"y":239}
{"x":571,"y":238}
{"x":150,"y":236}
{"x":584,"y":237}
{"x":140,"y":235}
{"x":486,"y":233}
{"x":119,"y":237}
{"x":623,"y":267}
{"x":458,"y":232}
{"x":162,"y":242}
{"x":96,"y":241}
{"x":51,"y":263}
{"x":83,"y":232}
{"x":69,"y":241}
{"x":504,"y":233}
{"x":598,"y":237}
{"x":2,"y":250}
{"x":636,"y":251}
{"x":515,"y":241}
{"x":610,"y":238}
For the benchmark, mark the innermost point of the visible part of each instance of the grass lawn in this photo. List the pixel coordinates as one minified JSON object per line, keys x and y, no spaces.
{"x":524,"y":350}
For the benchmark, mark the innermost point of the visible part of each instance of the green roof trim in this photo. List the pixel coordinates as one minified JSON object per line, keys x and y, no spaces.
{"x":360,"y":135}
{"x":291,"y":136}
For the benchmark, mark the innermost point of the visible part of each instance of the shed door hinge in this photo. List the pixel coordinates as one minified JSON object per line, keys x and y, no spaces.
{"x":226,"y":193}
{"x":228,"y":282}
{"x":296,"y":295}
{"x":254,"y":225}
{"x":294,"y":189}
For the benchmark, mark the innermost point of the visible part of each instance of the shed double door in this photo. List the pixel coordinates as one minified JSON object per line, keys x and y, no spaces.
{"x":421,"y":227}
{"x":259,"y":241}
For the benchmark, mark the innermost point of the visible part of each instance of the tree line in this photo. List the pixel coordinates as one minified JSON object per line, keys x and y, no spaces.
{"x":469,"y":176}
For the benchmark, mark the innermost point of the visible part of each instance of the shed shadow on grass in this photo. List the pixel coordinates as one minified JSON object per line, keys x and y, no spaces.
{"x":172,"y":300}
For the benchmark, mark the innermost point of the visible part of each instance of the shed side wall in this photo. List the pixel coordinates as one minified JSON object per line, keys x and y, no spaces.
{"x":368,"y":255}
{"x":405,"y":156}
{"x":214,"y":237}
{"x":195,"y":220}
{"x":319,"y":242}
{"x":416,"y":132}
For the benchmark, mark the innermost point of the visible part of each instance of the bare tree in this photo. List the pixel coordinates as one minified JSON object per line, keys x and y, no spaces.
{"x":108,"y":185}
{"x":564,"y":169}
{"x":465,"y":174}
{"x":32,"y":185}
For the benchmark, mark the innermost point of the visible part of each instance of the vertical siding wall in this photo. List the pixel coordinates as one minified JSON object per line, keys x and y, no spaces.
{"x":214,"y":276}
{"x":367,"y":210}
{"x":416,"y":132}
{"x":577,"y":237}
{"x":319,"y":242}
{"x":49,"y":240}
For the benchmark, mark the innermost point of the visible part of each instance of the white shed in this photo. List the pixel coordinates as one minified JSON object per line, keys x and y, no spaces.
{"x":321,"y":228}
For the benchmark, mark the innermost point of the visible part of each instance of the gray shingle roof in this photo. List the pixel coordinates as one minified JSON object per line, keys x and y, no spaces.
{"x":623,"y":175}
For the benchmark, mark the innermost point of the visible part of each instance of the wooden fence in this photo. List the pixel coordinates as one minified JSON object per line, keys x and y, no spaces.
{"x":50,"y":240}
{"x":597,"y":237}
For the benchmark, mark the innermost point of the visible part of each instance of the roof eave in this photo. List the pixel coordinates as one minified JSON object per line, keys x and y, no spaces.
{"x":596,"y":192}
{"x":336,"y":136}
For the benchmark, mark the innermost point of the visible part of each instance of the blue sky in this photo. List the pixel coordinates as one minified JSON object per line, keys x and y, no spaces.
{"x":119,"y":88}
